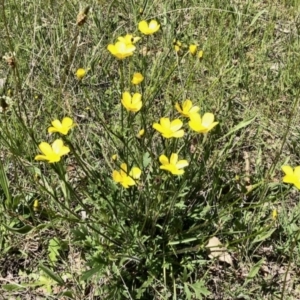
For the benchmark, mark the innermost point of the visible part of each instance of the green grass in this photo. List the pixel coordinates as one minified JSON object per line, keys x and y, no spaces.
{"x":90,"y":238}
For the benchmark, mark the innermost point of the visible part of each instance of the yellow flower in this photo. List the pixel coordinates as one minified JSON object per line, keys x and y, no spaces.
{"x":52,"y":153}
{"x":274,"y":214}
{"x":80,"y":73}
{"x":125,"y":179}
{"x":137,"y":78}
{"x":62,"y":127}
{"x":187,"y":108}
{"x":128,"y":39}
{"x":193,"y":49}
{"x":150,"y":28}
{"x":291,"y":176}
{"x":204,"y":124}
{"x":141,"y":133}
{"x":173,"y":165}
{"x":121,"y":50}
{"x":114,"y":157}
{"x":200,"y":54}
{"x":133,"y":103}
{"x":168,"y":128}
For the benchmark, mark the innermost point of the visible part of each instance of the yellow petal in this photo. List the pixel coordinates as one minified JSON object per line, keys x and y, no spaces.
{"x":173,"y":158}
{"x":45,"y":148}
{"x":194,"y":110}
{"x":53,"y":157}
{"x":207,"y":119}
{"x":126,"y":97}
{"x":163,"y":160}
{"x":56,"y":124}
{"x":178,"y":134}
{"x":136,"y":98}
{"x":41,"y":157}
{"x":165,"y":122}
{"x":176,"y":125}
{"x":127,"y":181}
{"x":123,"y":169}
{"x":175,"y":171}
{"x":57,"y":145}
{"x":64,"y":150}
{"x":187,"y":105}
{"x":289,"y":179}
{"x":111,"y":48}
{"x":182,"y":163}
{"x":67,"y":122}
{"x":212,"y":126}
{"x":195,"y":118}
{"x":143,"y":26}
{"x":153,"y":25}
{"x":52,"y":129}
{"x":135,"y":173}
{"x":178,"y":108}
{"x":158,"y":127}
{"x":195,"y":122}
{"x":116,"y":176}
{"x":59,"y":148}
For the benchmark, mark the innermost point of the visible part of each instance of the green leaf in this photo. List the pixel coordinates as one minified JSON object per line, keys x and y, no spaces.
{"x":23,"y":230}
{"x":88,"y":274}
{"x":146,"y":159}
{"x":254,"y":270}
{"x":53,"y":249}
{"x":256,"y":17}
{"x":239,"y":126}
{"x":5,"y":186}
{"x":187,"y":292}
{"x":263,"y":236}
{"x":199,"y":289}
{"x":51,"y":274}
{"x":68,"y":294}
{"x":12,"y":287}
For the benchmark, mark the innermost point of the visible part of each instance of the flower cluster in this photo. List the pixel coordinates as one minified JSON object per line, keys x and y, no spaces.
{"x":170,"y":129}
{"x":180,"y":47}
{"x":193,"y":50}
{"x":173,"y":129}
{"x":124,"y":47}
